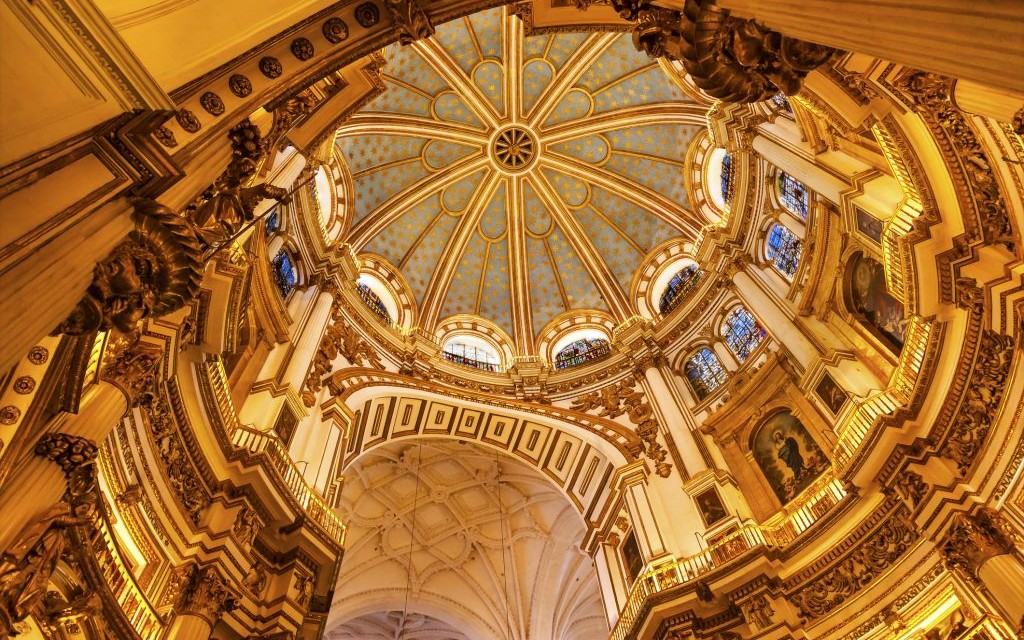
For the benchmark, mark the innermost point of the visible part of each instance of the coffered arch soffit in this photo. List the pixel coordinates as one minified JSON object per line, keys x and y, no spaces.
{"x":466,"y":535}
{"x":584,"y":135}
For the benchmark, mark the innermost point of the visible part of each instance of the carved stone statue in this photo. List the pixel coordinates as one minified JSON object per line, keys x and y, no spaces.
{"x":27,"y":565}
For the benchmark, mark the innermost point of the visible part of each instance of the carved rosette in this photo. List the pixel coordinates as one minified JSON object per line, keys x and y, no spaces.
{"x":973,"y":539}
{"x":206,"y":594}
{"x":69,"y":452}
{"x":731,"y":59}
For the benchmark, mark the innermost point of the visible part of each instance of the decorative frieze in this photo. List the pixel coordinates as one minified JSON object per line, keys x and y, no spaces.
{"x":875,"y":554}
{"x":982,"y":397}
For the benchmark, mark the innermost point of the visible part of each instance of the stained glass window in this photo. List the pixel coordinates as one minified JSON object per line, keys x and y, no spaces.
{"x":681,"y":285}
{"x":783,"y":250}
{"x":374,"y":302}
{"x":704,"y":372}
{"x":471,"y":355}
{"x":271,"y":223}
{"x":284,"y":273}
{"x":782,"y":103}
{"x":793,"y":194}
{"x":582,"y":351}
{"x":727,"y":178}
{"x":742,"y":332}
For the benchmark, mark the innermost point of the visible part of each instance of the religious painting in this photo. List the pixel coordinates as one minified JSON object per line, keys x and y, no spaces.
{"x":787,"y":454}
{"x":831,"y":394}
{"x":285,"y":425}
{"x":951,"y":627}
{"x":868,"y":225}
{"x":710,"y":505}
{"x":632,"y":558}
{"x":870,"y":300}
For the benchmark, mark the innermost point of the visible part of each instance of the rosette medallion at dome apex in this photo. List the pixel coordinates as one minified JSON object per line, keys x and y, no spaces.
{"x":516,"y":178}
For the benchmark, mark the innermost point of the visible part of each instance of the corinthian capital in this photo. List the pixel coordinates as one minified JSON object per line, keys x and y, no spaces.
{"x":973,"y":539}
{"x":68,"y":451}
{"x":411,"y":22}
{"x":155,"y":271}
{"x":206,"y":594}
{"x":130,"y":365}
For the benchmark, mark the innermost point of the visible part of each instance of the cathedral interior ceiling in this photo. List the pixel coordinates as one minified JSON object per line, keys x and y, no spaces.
{"x":468,"y":535}
{"x":581,"y":132}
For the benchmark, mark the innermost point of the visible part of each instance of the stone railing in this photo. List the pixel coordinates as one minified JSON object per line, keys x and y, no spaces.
{"x":810,"y":507}
{"x":865,"y":420}
{"x":106,"y":572}
{"x":274,"y":457}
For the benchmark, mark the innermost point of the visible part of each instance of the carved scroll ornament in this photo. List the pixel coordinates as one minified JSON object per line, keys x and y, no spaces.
{"x":621,"y":398}
{"x":731,"y":59}
{"x":158,"y":268}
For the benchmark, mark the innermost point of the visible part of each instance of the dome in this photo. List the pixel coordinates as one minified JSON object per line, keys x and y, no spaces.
{"x":518,"y":178}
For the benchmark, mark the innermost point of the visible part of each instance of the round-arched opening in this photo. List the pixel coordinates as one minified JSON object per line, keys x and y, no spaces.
{"x":579,"y":348}
{"x":783,"y":249}
{"x":675,"y":284}
{"x":719,"y":175}
{"x":704,"y":372}
{"x":472,"y":351}
{"x":377,"y":298}
{"x":284,"y":273}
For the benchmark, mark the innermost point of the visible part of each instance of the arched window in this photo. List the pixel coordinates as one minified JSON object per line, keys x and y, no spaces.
{"x":582,"y":351}
{"x":869,"y":299}
{"x":471,"y":353}
{"x":284,"y":273}
{"x":781,"y":102}
{"x":793,"y":194}
{"x":742,"y":332}
{"x":783,"y":250}
{"x":704,"y":372}
{"x":271,"y":223}
{"x":373,"y":301}
{"x":727,"y":178}
{"x":681,"y":285}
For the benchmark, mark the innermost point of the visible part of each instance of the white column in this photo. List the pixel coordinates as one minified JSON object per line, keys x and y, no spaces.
{"x":772,"y":317}
{"x":39,"y":483}
{"x":43,"y":287}
{"x":308,"y":341}
{"x":812,"y":175}
{"x":674,"y":418}
{"x":979,"y":40}
{"x":1003,"y":576}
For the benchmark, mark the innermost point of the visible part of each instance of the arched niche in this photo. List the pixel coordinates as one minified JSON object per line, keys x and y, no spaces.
{"x":787,"y":455}
{"x":868,"y":299}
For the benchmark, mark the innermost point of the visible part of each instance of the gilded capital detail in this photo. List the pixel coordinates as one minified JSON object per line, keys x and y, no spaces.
{"x":731,"y":59}
{"x":973,"y":539}
{"x":68,"y":451}
{"x":206,"y":594}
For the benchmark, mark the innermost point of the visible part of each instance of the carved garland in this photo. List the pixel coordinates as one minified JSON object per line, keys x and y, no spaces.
{"x":874,"y":556}
{"x":621,"y":398}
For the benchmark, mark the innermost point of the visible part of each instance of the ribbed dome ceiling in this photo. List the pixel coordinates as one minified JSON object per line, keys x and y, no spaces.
{"x":517,"y":178}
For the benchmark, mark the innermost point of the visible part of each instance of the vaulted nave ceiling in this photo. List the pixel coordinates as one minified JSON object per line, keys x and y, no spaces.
{"x":516,"y":178}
